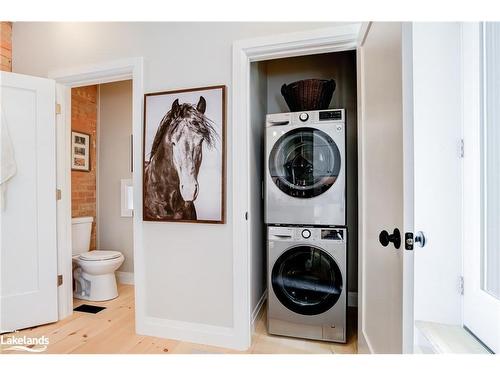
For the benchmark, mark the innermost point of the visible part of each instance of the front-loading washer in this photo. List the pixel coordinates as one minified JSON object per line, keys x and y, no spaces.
{"x":305,"y":179}
{"x":307,"y":282}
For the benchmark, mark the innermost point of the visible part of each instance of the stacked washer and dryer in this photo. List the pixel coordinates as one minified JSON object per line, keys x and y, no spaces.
{"x":305,"y":200}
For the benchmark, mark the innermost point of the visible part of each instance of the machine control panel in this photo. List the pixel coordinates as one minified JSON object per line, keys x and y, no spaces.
{"x":330,"y":115}
{"x":306,"y":118}
{"x":279,"y":233}
{"x":332,"y":234}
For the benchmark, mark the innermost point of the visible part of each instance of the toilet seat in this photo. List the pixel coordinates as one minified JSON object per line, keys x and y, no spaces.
{"x":99,"y":255}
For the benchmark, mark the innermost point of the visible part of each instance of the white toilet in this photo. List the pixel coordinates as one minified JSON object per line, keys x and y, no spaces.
{"x":95,"y":270}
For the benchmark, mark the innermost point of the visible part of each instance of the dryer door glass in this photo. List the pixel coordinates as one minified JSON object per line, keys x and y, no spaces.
{"x":304,"y":162}
{"x":307,"y":280}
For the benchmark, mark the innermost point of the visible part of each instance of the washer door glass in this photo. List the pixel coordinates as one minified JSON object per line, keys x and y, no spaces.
{"x":304,"y":162}
{"x":307,"y":280}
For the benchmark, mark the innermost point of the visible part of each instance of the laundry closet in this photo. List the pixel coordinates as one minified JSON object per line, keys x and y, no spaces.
{"x":324,"y":215}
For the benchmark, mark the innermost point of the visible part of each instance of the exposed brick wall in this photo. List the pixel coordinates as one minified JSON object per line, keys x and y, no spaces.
{"x":83,"y":184}
{"x":6,"y":46}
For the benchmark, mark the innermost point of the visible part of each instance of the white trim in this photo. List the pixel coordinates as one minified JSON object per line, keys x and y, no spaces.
{"x":258,"y":308}
{"x":363,"y":344}
{"x":352,"y":299}
{"x":97,"y":157}
{"x":126,"y":278}
{"x":480,"y":309}
{"x":187,"y":331}
{"x":408,"y":186}
{"x":325,"y":40}
{"x":96,"y":74}
{"x":332,"y":39}
{"x":363,"y":32}
{"x":64,"y":251}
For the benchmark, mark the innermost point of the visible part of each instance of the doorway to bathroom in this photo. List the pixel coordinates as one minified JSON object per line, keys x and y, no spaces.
{"x":118,"y":90}
{"x":101,"y":189}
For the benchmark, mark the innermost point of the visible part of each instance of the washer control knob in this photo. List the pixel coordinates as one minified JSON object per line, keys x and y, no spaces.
{"x":306,"y":233}
{"x":303,"y":117}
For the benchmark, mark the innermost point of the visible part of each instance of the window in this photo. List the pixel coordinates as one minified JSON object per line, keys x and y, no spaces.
{"x":481,"y":92}
{"x":491,"y":159}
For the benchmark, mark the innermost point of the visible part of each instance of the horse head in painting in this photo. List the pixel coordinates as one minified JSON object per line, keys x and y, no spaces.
{"x":171,"y":176}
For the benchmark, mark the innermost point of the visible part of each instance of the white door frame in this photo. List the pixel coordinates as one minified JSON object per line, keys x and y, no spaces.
{"x":332,"y":39}
{"x":106,"y":72}
{"x":479,"y":307}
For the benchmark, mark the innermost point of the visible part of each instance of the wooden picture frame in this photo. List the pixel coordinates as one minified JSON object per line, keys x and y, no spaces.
{"x":80,"y":151}
{"x":184,"y":155}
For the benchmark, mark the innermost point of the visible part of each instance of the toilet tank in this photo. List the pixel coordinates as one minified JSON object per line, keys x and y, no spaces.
{"x":81,"y":227}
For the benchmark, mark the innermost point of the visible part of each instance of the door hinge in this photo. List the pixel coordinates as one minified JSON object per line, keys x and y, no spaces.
{"x":58,"y":109}
{"x":462,"y":148}
{"x":461,"y":285}
{"x":408,"y":241}
{"x":58,"y":194}
{"x":59,"y":280}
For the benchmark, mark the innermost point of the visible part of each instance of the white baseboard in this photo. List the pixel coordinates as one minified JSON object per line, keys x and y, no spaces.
{"x":125,"y":277}
{"x":204,"y":334}
{"x":352,"y":299}
{"x":256,"y":311}
{"x":363,"y":346}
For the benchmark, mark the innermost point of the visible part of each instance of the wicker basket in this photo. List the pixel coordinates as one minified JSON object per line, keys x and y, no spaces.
{"x":308,"y":94}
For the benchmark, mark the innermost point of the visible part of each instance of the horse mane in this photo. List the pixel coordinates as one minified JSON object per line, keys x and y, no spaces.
{"x":198,"y":122}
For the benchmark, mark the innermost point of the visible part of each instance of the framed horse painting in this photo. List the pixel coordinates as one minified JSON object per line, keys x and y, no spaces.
{"x":184,"y":155}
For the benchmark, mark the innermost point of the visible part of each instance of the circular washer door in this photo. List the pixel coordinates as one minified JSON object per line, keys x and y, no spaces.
{"x":304,"y":162}
{"x":307,"y":280}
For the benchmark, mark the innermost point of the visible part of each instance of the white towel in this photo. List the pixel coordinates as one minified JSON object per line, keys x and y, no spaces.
{"x":7,"y":161}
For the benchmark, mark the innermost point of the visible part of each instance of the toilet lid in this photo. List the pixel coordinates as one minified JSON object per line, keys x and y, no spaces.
{"x":100,"y":255}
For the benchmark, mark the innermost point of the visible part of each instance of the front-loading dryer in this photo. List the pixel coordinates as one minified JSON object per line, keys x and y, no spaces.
{"x":305,"y":179}
{"x":307,"y":282}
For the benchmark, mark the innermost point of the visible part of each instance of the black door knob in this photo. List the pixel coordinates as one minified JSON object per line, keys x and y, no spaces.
{"x":384,"y":237}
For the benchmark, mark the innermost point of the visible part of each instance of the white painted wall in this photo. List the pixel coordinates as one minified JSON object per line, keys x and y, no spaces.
{"x":114,"y":155}
{"x":340,"y":66}
{"x":258,"y":105}
{"x":188,"y":268}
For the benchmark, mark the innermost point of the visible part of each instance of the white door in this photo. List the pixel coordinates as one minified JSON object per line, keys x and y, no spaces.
{"x":28,"y":254}
{"x":437,"y":113}
{"x":410,"y":85}
{"x":482,"y":182}
{"x":385,"y":193}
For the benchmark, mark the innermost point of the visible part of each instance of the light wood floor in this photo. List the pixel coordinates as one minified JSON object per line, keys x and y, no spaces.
{"x":113,"y":331}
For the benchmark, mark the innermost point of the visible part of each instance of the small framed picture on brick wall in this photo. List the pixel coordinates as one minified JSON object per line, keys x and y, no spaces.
{"x":80,"y":151}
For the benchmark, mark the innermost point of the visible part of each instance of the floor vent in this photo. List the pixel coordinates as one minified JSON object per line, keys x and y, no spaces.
{"x":91,"y":309}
